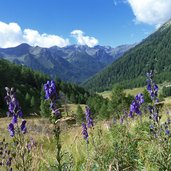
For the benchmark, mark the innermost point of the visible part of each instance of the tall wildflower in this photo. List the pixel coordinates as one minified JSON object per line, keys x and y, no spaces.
{"x":88,"y":117}
{"x":17,"y":129}
{"x":152,"y":87}
{"x":89,"y":123}
{"x":156,"y":128}
{"x":14,"y":110}
{"x":51,"y":95}
{"x":84,"y":132}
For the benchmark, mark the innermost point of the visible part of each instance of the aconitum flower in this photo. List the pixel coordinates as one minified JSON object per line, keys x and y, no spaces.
{"x":23,"y":127}
{"x":136,"y":104}
{"x":167,"y":132}
{"x":51,"y":94}
{"x":88,"y":117}
{"x":14,"y":119}
{"x":50,"y":89}
{"x":14,"y":110}
{"x":13,"y":104}
{"x":152,"y":87}
{"x":11,"y":129}
{"x":9,"y":161}
{"x":84,"y":132}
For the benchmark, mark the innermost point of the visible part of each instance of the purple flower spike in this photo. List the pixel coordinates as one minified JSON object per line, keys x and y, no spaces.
{"x":88,"y":117}
{"x":11,"y":107}
{"x":131,"y":114}
{"x":51,"y":94}
{"x":50,"y":89}
{"x":23,"y":127}
{"x":156,"y":87}
{"x":84,"y":132}
{"x":11,"y":129}
{"x":14,"y":119}
{"x":136,"y":104}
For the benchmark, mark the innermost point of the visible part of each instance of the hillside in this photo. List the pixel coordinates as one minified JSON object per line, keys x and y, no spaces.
{"x":75,"y":63}
{"x":29,"y":85}
{"x":153,"y":53}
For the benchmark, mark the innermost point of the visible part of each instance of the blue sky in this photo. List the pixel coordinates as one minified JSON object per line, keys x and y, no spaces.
{"x":63,"y":22}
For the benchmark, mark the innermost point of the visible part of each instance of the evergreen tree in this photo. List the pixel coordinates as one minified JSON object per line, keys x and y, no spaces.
{"x":28,"y":99}
{"x":103,"y":113}
{"x":118,"y":101}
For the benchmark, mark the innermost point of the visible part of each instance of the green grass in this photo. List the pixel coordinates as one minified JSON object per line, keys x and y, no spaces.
{"x":73,"y":143}
{"x":135,"y":91}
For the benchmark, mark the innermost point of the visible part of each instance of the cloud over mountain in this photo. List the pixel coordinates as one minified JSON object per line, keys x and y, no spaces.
{"x":12,"y":35}
{"x":153,"y":12}
{"x":84,"y":40}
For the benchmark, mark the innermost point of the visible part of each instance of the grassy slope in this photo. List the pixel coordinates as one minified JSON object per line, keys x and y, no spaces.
{"x":107,"y":94}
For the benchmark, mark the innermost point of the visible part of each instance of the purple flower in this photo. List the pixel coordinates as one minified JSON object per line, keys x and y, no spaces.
{"x":50,"y":89}
{"x":156,"y":88}
{"x":11,"y":107}
{"x":8,"y":163}
{"x":23,"y":127}
{"x":88,"y":117}
{"x":130,"y":114}
{"x":51,"y":94}
{"x":11,"y":129}
{"x":167,"y":132}
{"x":84,"y":132}
{"x":149,"y":87}
{"x":14,"y":119}
{"x":56,"y":112}
{"x":152,"y":88}
{"x":136,"y":104}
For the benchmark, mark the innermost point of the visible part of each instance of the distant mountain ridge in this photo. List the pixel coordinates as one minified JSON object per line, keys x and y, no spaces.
{"x":153,"y":53}
{"x":74,"y":63}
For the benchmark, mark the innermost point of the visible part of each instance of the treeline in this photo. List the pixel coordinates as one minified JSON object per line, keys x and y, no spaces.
{"x":101,"y":108}
{"x":29,"y":87}
{"x":154,"y":53}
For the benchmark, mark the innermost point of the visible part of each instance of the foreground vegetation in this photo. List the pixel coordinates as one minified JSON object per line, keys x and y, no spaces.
{"x":134,"y":136}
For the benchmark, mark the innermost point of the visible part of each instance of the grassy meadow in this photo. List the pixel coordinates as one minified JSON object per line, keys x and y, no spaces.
{"x":112,"y":146}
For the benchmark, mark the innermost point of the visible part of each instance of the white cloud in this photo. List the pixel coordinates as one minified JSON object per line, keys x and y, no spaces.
{"x":33,"y":37}
{"x":153,"y":12}
{"x":12,"y":35}
{"x":84,"y":40}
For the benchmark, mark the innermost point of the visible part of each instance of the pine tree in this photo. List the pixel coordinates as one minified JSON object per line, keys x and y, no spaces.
{"x":103,"y":113}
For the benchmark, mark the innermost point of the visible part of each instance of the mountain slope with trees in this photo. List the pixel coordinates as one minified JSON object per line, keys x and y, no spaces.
{"x":29,"y":87}
{"x":153,"y":53}
{"x":74,"y":63}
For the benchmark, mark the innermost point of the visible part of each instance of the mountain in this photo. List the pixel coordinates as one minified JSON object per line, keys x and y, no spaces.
{"x":75,"y":63}
{"x":153,"y":53}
